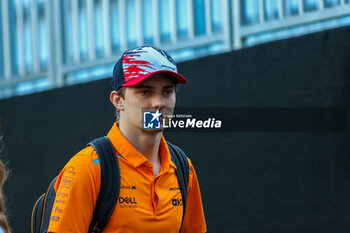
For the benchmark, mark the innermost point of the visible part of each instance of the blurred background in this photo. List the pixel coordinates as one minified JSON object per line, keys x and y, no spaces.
{"x":56,"y":59}
{"x":49,"y":44}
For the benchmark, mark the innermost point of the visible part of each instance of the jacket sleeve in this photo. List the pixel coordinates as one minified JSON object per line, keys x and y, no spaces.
{"x":77,"y":189}
{"x":194,"y":221}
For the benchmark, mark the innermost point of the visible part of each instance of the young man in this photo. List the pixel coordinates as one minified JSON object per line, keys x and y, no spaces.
{"x":143,"y":78}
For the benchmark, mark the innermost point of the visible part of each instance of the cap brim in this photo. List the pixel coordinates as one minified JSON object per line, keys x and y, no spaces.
{"x":178,"y":77}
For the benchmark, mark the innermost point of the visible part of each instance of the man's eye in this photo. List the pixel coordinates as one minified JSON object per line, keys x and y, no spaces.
{"x":170,"y":91}
{"x":145,"y":92}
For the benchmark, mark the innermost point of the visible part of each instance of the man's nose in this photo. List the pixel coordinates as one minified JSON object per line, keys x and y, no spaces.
{"x":158,"y":102}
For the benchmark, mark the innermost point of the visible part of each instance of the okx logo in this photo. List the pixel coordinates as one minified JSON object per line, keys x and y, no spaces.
{"x":151,"y":120}
{"x":177,"y":202}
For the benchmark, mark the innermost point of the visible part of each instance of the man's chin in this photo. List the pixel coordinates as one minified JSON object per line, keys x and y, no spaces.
{"x":154,"y":130}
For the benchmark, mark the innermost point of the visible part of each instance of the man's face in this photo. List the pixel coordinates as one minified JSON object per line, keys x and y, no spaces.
{"x":157,"y":92}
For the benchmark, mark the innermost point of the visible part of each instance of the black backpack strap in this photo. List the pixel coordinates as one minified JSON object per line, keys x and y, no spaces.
{"x":182,"y":171}
{"x":110,"y":183}
{"x":42,"y":209}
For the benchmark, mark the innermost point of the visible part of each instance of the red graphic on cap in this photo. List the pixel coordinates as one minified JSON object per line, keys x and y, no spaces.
{"x":133,"y":67}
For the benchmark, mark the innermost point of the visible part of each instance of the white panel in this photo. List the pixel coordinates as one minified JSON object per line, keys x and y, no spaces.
{"x":261,"y":11}
{"x":190,"y":19}
{"x":208,"y":27}
{"x":106,"y":27}
{"x":58,"y":78}
{"x":280,"y":9}
{"x":51,"y":40}
{"x":6,"y":39}
{"x":91,"y":29}
{"x":155,"y":4}
{"x":123,"y":25}
{"x":75,"y":31}
{"x":321,"y":4}
{"x":20,"y":37}
{"x":34,"y":25}
{"x":237,"y":41}
{"x":139,"y":23}
{"x":226,"y":23}
{"x":172,"y":10}
{"x":301,"y":7}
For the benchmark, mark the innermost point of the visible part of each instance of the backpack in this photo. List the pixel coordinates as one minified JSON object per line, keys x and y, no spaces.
{"x":109,"y":190}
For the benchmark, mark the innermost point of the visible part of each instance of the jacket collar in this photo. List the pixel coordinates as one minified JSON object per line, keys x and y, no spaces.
{"x":126,"y":150}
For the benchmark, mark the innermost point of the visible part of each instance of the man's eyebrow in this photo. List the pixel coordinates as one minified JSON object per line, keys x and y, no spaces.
{"x":169,"y":86}
{"x":143,"y":86}
{"x":151,"y":87}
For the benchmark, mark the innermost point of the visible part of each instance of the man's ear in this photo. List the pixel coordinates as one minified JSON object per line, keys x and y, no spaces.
{"x":117,"y":100}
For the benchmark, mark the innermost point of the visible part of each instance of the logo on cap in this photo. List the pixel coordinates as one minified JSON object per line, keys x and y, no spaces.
{"x":139,"y":63}
{"x":144,"y":60}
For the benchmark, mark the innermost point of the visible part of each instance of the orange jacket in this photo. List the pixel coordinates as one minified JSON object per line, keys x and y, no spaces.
{"x":146,"y":203}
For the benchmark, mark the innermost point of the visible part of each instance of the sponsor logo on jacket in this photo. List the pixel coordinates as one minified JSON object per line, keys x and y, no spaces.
{"x":127,"y":200}
{"x":127,"y":187}
{"x":55,"y":218}
{"x":177,"y":202}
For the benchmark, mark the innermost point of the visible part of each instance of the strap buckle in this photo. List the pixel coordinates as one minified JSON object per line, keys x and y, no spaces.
{"x":96,"y":229}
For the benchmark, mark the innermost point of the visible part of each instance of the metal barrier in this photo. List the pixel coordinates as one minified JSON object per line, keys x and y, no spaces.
{"x":304,"y":14}
{"x":51,"y":43}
